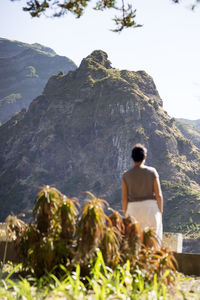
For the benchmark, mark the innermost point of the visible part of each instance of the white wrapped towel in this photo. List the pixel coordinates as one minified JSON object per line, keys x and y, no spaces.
{"x":148,"y":215}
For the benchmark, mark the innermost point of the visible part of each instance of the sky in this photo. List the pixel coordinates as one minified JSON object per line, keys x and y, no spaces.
{"x":167,"y":47}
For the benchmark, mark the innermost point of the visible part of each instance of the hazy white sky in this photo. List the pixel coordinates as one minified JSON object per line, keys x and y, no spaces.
{"x":167,"y":47}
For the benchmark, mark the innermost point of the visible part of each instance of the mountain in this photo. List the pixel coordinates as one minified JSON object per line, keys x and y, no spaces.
{"x":194,"y":123}
{"x":190,"y":129}
{"x":24,"y":71}
{"x":78,"y":135}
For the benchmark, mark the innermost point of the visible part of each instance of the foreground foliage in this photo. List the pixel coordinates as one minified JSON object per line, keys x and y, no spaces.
{"x":103,"y":283}
{"x":65,"y":234}
{"x":80,"y":252}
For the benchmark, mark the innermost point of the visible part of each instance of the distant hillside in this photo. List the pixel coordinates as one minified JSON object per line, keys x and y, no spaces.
{"x":24,"y":71}
{"x":195,"y":123}
{"x":78,"y":135}
{"x":9,"y":48}
{"x":190,"y":129}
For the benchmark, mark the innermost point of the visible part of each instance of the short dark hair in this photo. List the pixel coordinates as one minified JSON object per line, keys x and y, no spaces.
{"x":139,"y":153}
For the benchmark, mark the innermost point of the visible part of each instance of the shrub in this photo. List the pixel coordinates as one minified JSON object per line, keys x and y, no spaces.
{"x":65,"y":234}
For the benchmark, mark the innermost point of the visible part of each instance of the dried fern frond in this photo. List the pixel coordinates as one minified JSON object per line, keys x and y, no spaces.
{"x":90,"y":229}
{"x":149,"y":238}
{"x":68,"y":213}
{"x":117,"y":221}
{"x":110,"y":246}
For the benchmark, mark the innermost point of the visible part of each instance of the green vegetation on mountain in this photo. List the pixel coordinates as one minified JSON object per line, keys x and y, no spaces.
{"x":194,"y":123}
{"x":78,"y":136}
{"x":182,"y":197}
{"x":12,"y":98}
{"x":190,"y":129}
{"x":24,"y":71}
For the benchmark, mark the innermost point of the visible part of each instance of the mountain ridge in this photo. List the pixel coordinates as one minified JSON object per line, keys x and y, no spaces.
{"x":9,"y":48}
{"x":190,"y":130}
{"x":24,"y":71}
{"x":78,"y":135}
{"x":195,"y":123}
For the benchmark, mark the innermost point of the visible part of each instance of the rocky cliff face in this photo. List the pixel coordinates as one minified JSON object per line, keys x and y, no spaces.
{"x":78,"y":136}
{"x":24,"y":71}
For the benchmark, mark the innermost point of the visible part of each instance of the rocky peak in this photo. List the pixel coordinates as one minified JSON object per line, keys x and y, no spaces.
{"x":100,"y":57}
{"x":96,"y":58}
